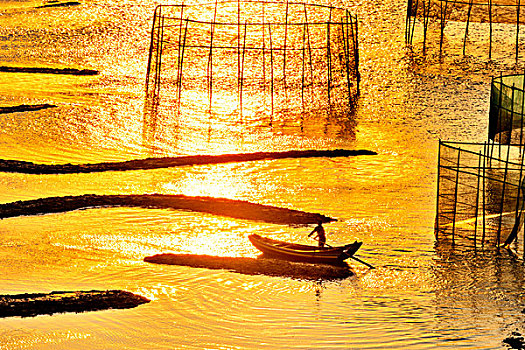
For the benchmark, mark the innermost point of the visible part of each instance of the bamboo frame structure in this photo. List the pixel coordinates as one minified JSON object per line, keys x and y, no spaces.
{"x":424,"y":15}
{"x":253,"y":57}
{"x":478,"y":191}
{"x":507,"y":107}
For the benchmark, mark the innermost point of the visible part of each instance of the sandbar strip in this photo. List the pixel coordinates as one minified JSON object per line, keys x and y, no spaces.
{"x":44,"y":70}
{"x":16,"y":166}
{"x":29,"y":305}
{"x":218,"y":206}
{"x":24,"y":108}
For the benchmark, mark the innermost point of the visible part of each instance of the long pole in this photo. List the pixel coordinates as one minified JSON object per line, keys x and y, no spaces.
{"x":353,"y":257}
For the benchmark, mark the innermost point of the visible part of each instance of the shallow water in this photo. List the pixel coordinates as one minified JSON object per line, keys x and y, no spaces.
{"x":421,"y":295}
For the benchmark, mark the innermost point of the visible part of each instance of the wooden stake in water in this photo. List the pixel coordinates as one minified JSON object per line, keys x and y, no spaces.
{"x":210,"y":58}
{"x":182,"y":62}
{"x":517,"y":28}
{"x":242,"y":69}
{"x":522,"y":114}
{"x":456,"y":196}
{"x":344,"y":32}
{"x":271,"y":67}
{"x":490,"y":29}
{"x":466,"y":27}
{"x":477,"y":200}
{"x":284,"y":48}
{"x":485,"y":154}
{"x":436,"y":222}
{"x":303,"y":61}
{"x":328,"y":59}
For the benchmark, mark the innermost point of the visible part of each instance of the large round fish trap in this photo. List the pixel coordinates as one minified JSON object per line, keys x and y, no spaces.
{"x":487,"y":28}
{"x":507,"y":105}
{"x":253,"y":58}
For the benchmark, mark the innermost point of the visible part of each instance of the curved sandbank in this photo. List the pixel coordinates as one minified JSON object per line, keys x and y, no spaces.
{"x":44,"y":70}
{"x":259,"y":266}
{"x":58,"y":4}
{"x":16,"y":166}
{"x":28,"y":305}
{"x":219,"y":206}
{"x":24,"y":108}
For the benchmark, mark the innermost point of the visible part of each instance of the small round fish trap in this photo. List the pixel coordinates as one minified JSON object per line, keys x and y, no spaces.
{"x":253,"y":58}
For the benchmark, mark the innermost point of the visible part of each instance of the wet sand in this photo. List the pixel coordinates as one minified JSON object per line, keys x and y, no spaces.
{"x":15,"y":166}
{"x":218,"y":206}
{"x":28,"y":305}
{"x":259,"y":266}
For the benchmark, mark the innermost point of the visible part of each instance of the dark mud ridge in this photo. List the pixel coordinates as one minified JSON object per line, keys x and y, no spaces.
{"x":69,"y":71}
{"x":218,"y":206}
{"x":16,"y":166}
{"x":24,"y":108}
{"x":259,"y":266}
{"x":58,"y":4}
{"x":27,"y":305}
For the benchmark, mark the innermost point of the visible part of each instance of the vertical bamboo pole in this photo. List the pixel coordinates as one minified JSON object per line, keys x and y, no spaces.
{"x":477,"y":201}
{"x":438,"y":214}
{"x":503,"y":197}
{"x":238,"y":49}
{"x":179,"y":54}
{"x":328,"y":58}
{"x":182,"y":62}
{"x":309,"y":50}
{"x":412,"y":21}
{"x":407,"y":20}
{"x":509,"y":137}
{"x":466,"y":27}
{"x":159,"y":57}
{"x":485,"y":151}
{"x":285,"y":49}
{"x":522,"y":111}
{"x":456,"y":197}
{"x":490,"y":29}
{"x":271,"y":67}
{"x":152,"y":46}
{"x":263,"y":26}
{"x":242,"y":69}
{"x":344,"y":32}
{"x":355,"y":36}
{"x":210,"y":57}
{"x":517,"y":28}
{"x":303,"y":64}
{"x":426,"y":18}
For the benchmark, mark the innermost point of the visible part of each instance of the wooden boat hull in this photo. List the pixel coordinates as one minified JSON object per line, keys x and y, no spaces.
{"x":303,"y":253}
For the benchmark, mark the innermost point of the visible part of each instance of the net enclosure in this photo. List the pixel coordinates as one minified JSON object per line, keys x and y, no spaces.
{"x":506,"y":109}
{"x":480,"y":193}
{"x":483,"y":26}
{"x":253,"y":57}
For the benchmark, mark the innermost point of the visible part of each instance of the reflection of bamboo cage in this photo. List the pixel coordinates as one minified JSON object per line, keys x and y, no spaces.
{"x":482,"y":16}
{"x":479,"y":194}
{"x":248,"y":57}
{"x":506,"y":109}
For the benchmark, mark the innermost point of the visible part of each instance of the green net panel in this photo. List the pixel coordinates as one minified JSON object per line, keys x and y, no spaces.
{"x":253,"y":58}
{"x":506,"y":109}
{"x":479,"y":199}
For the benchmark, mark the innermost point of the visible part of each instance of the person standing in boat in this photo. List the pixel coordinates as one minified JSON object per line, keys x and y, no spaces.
{"x":321,"y":236}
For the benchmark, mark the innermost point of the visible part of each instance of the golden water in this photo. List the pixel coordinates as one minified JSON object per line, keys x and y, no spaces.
{"x":421,"y":295}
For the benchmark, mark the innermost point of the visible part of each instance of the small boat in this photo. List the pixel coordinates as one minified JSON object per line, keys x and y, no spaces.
{"x":305,"y":253}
